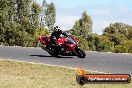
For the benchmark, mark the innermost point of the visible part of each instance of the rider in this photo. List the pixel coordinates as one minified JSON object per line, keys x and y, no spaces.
{"x":54,"y":38}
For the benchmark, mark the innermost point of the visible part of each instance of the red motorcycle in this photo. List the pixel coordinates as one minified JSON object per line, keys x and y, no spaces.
{"x":69,"y":46}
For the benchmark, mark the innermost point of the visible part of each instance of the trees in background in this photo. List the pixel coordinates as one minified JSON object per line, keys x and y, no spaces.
{"x":120,"y":35}
{"x":116,"y":37}
{"x":81,"y":29}
{"x":83,"y":26}
{"x":125,"y":47}
{"x":20,"y":22}
{"x":99,"y":43}
{"x":50,"y":16}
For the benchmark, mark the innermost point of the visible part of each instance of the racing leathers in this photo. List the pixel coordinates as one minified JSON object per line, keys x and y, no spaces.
{"x":54,"y":40}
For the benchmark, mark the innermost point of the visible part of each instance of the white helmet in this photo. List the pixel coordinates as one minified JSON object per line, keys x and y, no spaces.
{"x":57,"y":28}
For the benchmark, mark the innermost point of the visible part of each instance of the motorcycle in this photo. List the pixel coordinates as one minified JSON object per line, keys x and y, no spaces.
{"x":69,"y":46}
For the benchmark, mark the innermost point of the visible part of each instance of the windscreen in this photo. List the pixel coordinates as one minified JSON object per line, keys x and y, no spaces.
{"x":70,"y":41}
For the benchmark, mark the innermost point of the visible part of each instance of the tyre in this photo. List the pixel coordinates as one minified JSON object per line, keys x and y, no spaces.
{"x":80,"y":53}
{"x":53,"y":54}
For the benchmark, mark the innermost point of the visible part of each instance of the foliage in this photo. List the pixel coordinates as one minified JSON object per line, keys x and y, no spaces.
{"x":50,"y":15}
{"x":81,"y":29}
{"x":76,"y":29}
{"x":20,"y":25}
{"x":91,"y":42}
{"x":83,"y":43}
{"x":99,"y":43}
{"x":120,"y":34}
{"x":129,"y":36}
{"x":125,"y":47}
{"x":19,"y":22}
{"x":115,"y":38}
{"x":83,"y":26}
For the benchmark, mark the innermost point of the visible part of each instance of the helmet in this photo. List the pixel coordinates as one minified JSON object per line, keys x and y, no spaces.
{"x":57,"y":28}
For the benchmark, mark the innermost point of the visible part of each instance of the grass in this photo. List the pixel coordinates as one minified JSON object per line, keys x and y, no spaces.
{"x":26,"y":75}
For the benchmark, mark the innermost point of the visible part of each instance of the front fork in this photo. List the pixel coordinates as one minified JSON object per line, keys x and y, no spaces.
{"x":75,"y":50}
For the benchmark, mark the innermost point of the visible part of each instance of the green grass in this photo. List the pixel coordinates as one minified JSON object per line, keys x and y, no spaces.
{"x":26,"y":75}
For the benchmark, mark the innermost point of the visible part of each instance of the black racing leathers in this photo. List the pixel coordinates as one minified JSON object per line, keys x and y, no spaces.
{"x":54,"y":40}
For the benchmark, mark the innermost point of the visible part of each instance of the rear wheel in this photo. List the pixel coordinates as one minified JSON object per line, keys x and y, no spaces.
{"x":51,"y":52}
{"x":80,"y":53}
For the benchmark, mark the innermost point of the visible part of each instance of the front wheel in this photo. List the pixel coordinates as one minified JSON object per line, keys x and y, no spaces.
{"x":80,"y":53}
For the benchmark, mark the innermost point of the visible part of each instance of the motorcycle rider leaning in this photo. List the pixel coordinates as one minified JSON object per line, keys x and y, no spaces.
{"x":54,"y":39}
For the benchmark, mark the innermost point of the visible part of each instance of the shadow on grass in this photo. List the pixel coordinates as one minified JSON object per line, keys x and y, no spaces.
{"x":51,"y":56}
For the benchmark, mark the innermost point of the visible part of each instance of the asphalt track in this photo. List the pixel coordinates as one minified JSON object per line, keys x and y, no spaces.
{"x":95,"y":61}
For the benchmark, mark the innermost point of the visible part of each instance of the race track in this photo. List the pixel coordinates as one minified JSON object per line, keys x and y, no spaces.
{"x":95,"y":61}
